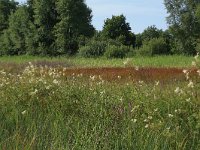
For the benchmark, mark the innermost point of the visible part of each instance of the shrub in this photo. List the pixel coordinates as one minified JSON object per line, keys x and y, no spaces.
{"x":113,"y":51}
{"x":156,"y":46}
{"x":93,"y":49}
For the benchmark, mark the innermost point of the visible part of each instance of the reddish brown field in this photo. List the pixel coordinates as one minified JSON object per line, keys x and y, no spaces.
{"x":145,"y":74}
{"x":109,"y":74}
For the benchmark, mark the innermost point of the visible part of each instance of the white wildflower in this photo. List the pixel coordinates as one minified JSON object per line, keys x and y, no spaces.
{"x":34,"y":93}
{"x":156,"y":109}
{"x":146,"y":126}
{"x":194,"y":64}
{"x":24,"y":112}
{"x":170,"y":115}
{"x":191,"y":84}
{"x":198,"y":71}
{"x":157,"y":83}
{"x":196,"y":57}
{"x":48,"y":87}
{"x":177,"y":90}
{"x":168,"y":128}
{"x":136,"y":68}
{"x":119,"y":77}
{"x":134,"y":120}
{"x":55,"y":81}
{"x":185,"y":71}
{"x":64,"y":69}
{"x":145,"y":120}
{"x":188,"y":99}
{"x":92,"y":78}
{"x":127,"y":62}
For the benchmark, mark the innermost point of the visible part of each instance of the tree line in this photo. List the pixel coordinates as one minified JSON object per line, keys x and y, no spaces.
{"x":63,"y":27}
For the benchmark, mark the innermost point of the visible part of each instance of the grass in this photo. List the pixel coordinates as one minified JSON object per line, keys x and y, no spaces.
{"x":43,"y":108}
{"x":157,"y":61}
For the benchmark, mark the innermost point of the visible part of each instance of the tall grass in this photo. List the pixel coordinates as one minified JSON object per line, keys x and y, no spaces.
{"x":42,"y":108}
{"x":157,"y":61}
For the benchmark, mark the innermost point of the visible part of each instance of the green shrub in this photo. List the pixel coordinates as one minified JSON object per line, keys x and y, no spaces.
{"x":156,"y":46}
{"x":113,"y":51}
{"x":93,"y":49}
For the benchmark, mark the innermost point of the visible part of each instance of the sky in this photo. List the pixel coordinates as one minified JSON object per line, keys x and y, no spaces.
{"x":139,"y":13}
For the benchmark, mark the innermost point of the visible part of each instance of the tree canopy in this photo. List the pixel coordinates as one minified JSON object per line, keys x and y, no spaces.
{"x":117,"y":28}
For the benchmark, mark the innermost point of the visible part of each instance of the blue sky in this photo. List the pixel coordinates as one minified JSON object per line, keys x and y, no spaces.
{"x":139,"y":13}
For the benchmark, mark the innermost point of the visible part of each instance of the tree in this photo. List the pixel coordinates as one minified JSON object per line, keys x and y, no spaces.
{"x":197,"y":14}
{"x":45,"y":19}
{"x":183,"y":24}
{"x":155,"y":46}
{"x":74,"y":21}
{"x":6,"y":7}
{"x":19,"y":37}
{"x":151,"y":32}
{"x":118,"y":29}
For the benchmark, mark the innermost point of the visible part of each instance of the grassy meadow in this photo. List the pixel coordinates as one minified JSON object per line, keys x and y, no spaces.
{"x":157,"y":61}
{"x":43,"y":107}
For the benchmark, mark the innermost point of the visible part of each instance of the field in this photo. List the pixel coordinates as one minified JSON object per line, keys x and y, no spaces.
{"x":76,"y":103}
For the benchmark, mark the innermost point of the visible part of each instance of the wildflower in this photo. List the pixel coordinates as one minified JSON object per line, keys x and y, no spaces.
{"x":156,"y":109}
{"x":191,"y":84}
{"x":146,"y":126}
{"x":170,"y":115}
{"x":194,"y":64}
{"x":119,"y":77}
{"x":48,"y":87}
{"x":188,"y":99}
{"x":196,"y":57}
{"x":187,"y":75}
{"x":150,"y":117}
{"x":135,"y":108}
{"x":177,"y":90}
{"x":127,"y":61}
{"x":185,"y":71}
{"x":55,"y":81}
{"x":136,"y":68}
{"x":140,"y":83}
{"x":34,"y":93}
{"x":198,"y":71}
{"x":102,"y":92}
{"x":23,"y":112}
{"x":145,"y":120}
{"x":64,"y":69}
{"x":92,"y":78}
{"x":177,"y":110}
{"x":168,"y":128}
{"x":157,"y":83}
{"x":134,"y":120}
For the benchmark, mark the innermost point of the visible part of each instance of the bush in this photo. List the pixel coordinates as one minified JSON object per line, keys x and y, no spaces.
{"x":93,"y":49}
{"x":156,"y":46}
{"x":113,"y":51}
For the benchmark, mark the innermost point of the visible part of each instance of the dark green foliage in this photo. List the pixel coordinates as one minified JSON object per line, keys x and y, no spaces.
{"x":155,"y":46}
{"x":183,"y":24}
{"x":118,"y":29}
{"x":138,"y":41}
{"x":151,"y":32}
{"x":93,"y":49}
{"x":41,"y":27}
{"x":113,"y":51}
{"x":6,"y":7}
{"x":19,"y":38}
{"x":74,"y":21}
{"x":45,"y":18}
